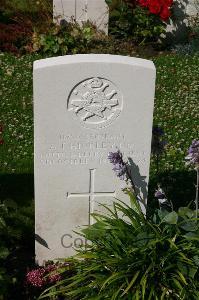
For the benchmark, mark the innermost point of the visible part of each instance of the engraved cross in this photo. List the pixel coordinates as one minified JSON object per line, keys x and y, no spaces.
{"x":91,"y":194}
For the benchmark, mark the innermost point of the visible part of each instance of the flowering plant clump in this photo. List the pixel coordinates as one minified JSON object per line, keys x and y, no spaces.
{"x":142,"y":21}
{"x":160,"y":8}
{"x":122,"y":170}
{"x":43,"y":276}
{"x":117,"y":265}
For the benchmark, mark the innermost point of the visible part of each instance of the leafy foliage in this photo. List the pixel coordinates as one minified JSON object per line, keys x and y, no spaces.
{"x":66,"y":39}
{"x":131,"y":257}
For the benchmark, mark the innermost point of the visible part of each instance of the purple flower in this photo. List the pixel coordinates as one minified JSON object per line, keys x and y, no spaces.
{"x":193,"y":154}
{"x":159,"y":194}
{"x":120,"y":167}
{"x":115,"y":157}
{"x":120,"y":170}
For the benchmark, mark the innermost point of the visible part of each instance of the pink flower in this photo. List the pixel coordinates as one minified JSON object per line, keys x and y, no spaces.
{"x":36,"y":277}
{"x":42,"y":276}
{"x":53,"y":276}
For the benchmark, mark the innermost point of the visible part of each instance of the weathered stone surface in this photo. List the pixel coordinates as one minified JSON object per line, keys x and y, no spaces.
{"x":84,"y":107}
{"x":95,"y":11}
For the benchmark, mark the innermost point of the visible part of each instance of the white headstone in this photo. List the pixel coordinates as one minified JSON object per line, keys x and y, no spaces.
{"x":84,"y":107}
{"x":80,"y":11}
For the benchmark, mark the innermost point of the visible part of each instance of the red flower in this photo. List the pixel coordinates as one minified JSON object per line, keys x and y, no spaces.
{"x":165,"y":13}
{"x":155,"y":6}
{"x":143,"y":3}
{"x":168,"y":3}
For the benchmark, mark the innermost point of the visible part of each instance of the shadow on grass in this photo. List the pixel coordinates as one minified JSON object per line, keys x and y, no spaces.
{"x":179,"y":187}
{"x":18,"y":234}
{"x":18,"y":187}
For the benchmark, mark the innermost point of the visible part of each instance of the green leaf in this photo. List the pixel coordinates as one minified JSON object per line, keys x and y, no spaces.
{"x":185,"y":211}
{"x":182,"y":277}
{"x":112,"y":278}
{"x":177,"y":283}
{"x":171,"y":218}
{"x":196,"y":260}
{"x":131,"y":283}
{"x":2,"y":223}
{"x":115,"y":295}
{"x":10,"y":203}
{"x":4,"y":252}
{"x":192,"y":236}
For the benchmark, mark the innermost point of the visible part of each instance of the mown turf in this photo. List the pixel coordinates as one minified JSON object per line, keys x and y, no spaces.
{"x":177,"y":106}
{"x":176,"y":110}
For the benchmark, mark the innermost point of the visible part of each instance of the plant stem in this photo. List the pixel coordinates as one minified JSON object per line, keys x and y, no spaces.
{"x":139,"y":199}
{"x":197,"y":189}
{"x":131,"y":180}
{"x":157,"y":164}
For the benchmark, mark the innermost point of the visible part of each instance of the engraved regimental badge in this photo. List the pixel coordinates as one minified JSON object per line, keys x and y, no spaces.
{"x":95,"y":102}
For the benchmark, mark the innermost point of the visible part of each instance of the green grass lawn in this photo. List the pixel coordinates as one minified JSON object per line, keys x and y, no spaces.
{"x":177,"y":105}
{"x":176,"y":110}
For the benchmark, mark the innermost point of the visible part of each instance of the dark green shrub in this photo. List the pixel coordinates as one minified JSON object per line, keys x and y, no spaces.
{"x":66,"y":39}
{"x":14,"y":37}
{"x":11,"y":7}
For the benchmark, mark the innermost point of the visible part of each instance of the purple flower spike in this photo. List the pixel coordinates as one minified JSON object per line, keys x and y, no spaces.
{"x":120,"y":167}
{"x":120,"y":171}
{"x":193,"y":154}
{"x":115,"y":157}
